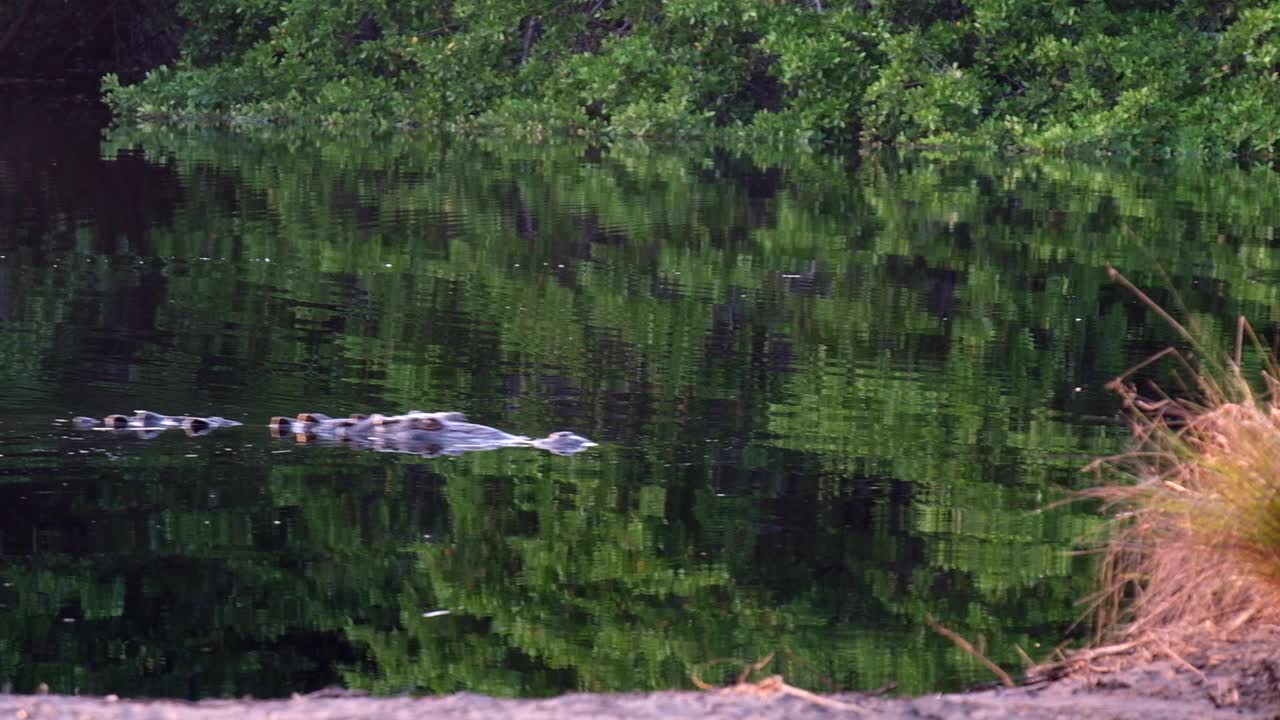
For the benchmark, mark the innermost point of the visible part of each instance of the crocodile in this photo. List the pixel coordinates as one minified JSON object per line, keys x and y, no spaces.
{"x":149,"y":424}
{"x":563,"y":442}
{"x":430,"y":434}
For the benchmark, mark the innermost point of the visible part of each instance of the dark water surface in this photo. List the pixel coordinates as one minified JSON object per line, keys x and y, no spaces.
{"x":830,"y":397}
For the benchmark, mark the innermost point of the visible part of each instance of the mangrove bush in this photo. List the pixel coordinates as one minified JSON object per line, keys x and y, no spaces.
{"x":1169,"y":77}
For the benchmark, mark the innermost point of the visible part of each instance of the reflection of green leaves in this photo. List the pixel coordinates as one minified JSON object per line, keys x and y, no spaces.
{"x":830,"y":402}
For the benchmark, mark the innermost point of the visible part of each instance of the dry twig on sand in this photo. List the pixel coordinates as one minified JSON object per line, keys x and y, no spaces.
{"x":770,"y":687}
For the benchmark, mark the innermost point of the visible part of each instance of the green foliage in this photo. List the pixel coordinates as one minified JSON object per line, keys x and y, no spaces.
{"x":1188,"y":78}
{"x":918,"y":96}
{"x":824,"y":64}
{"x":1185,"y":78}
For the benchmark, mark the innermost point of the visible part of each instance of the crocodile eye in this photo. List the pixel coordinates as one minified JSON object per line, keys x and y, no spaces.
{"x":280,"y":426}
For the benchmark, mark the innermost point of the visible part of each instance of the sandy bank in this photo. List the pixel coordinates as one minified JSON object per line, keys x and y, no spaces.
{"x":1227,"y":680}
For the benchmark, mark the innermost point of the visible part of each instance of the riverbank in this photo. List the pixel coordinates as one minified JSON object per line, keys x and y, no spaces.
{"x":1231,"y":678}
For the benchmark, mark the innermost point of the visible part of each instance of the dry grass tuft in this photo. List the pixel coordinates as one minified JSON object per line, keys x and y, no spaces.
{"x":1194,"y":549}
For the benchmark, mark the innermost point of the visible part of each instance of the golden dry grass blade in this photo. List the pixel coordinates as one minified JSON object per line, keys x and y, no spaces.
{"x":1027,"y":662}
{"x":1268,"y":354}
{"x":1118,"y":385}
{"x":1117,"y":277}
{"x":1239,"y":356}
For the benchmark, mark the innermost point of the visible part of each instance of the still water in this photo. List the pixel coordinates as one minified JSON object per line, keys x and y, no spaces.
{"x":831,"y":396}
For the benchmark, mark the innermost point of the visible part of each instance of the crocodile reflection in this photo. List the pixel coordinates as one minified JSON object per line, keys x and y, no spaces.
{"x":429,"y":434}
{"x":147,"y":424}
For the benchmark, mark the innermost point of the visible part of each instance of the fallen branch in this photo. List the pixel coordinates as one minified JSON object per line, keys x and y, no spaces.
{"x":1080,"y":659}
{"x":769,"y":687}
{"x":775,"y":684}
{"x":1085,"y":655}
{"x":755,"y":667}
{"x":968,"y":647}
{"x":1164,"y":647}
